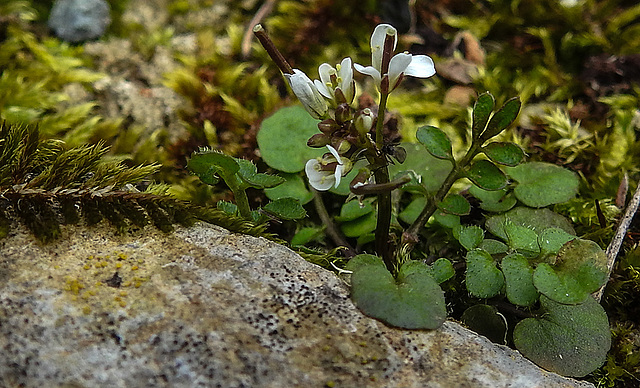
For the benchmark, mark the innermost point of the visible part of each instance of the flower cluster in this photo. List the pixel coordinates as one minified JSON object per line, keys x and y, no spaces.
{"x":345,"y":131}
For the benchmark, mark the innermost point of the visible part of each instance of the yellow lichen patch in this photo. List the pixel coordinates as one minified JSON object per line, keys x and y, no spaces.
{"x":104,"y":278}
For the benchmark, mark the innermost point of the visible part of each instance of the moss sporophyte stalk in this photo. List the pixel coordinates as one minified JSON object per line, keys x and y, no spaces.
{"x":525,"y":260}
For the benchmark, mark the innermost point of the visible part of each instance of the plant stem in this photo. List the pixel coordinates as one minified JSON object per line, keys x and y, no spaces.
{"x":332,"y":231}
{"x":240,"y":195}
{"x":410,"y":236}
{"x":381,"y":175}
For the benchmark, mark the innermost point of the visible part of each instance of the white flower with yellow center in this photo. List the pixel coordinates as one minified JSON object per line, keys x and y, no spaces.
{"x":323,"y":173}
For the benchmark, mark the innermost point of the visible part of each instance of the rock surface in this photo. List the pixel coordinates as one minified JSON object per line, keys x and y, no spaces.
{"x":79,"y":20}
{"x":203,"y":307}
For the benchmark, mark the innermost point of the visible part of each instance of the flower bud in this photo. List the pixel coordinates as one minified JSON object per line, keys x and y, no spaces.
{"x":318,"y":140}
{"x":307,"y":93}
{"x":343,"y":113}
{"x":364,"y":121}
{"x":328,"y":126}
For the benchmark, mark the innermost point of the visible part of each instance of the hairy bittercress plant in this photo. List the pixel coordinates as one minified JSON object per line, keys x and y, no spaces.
{"x":524,"y":256}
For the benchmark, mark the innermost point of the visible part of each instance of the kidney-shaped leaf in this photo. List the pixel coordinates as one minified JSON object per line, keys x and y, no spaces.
{"x":486,"y":175}
{"x":483,"y":278}
{"x":508,"y":154}
{"x":412,"y":301}
{"x":470,"y":236}
{"x":579,"y":269}
{"x":435,"y":141}
{"x":486,"y":320}
{"x":293,"y":186}
{"x":542,"y":184}
{"x":535,"y":219}
{"x":282,"y":139}
{"x":572,"y":340}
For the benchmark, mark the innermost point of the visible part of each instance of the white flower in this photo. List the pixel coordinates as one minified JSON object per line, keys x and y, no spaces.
{"x":336,"y":84}
{"x":420,"y":66}
{"x":307,"y":93}
{"x":321,"y":179}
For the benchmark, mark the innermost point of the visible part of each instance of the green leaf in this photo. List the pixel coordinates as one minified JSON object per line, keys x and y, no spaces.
{"x":447,"y":220}
{"x":412,"y":301}
{"x":569,"y":340}
{"x":481,"y":112}
{"x":483,"y":278}
{"x":522,"y":238}
{"x":435,"y":141}
{"x":410,"y":213}
{"x":227,"y":207}
{"x":537,"y":220}
{"x":543,"y":184}
{"x":286,"y":209}
{"x":432,"y":171}
{"x":507,"y":154}
{"x":493,"y":247}
{"x":359,"y":226}
{"x":354,"y":209}
{"x":518,"y":277}
{"x":282,"y":139}
{"x":486,"y":175}
{"x":455,"y":204}
{"x":207,"y":164}
{"x":248,"y":172}
{"x":293,"y":187}
{"x":469,"y":236}
{"x":306,"y":235}
{"x":487,"y":321}
{"x":495,"y":200}
{"x":442,"y":270}
{"x":552,"y":239}
{"x":502,"y":118}
{"x":579,"y":270}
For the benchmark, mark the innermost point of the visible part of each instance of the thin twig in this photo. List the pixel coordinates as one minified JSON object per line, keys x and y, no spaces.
{"x":263,"y":11}
{"x":621,"y":232}
{"x":332,"y":231}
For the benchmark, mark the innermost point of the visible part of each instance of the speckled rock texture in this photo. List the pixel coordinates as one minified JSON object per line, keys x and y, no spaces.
{"x":206,"y":308}
{"x":79,"y":20}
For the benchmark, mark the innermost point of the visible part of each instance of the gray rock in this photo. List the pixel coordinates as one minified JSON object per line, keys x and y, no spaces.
{"x":203,"y":308}
{"x":79,"y":20}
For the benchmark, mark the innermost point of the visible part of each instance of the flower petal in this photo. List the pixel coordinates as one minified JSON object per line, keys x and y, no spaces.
{"x":337,"y":176}
{"x":377,"y":43}
{"x":345,"y":74}
{"x":421,"y":66}
{"x":335,"y":154}
{"x":369,"y":70}
{"x":397,"y":66}
{"x":307,"y":93}
{"x":319,"y":180}
{"x":322,"y":88}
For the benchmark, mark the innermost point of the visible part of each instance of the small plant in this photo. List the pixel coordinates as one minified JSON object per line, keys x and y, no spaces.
{"x":524,"y":260}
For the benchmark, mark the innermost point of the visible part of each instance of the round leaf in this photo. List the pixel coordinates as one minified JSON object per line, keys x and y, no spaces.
{"x":537,"y":220}
{"x":282,"y":139}
{"x":435,"y":141}
{"x":353,"y":210}
{"x":552,"y":239}
{"x":508,"y":154}
{"x":569,"y":340}
{"x":483,"y":278}
{"x":518,"y":277}
{"x":442,"y":270}
{"x":455,"y":204}
{"x":579,"y":270}
{"x":293,"y":187}
{"x":543,"y":184}
{"x":412,"y":301}
{"x":486,"y":175}
{"x":286,"y":209}
{"x":359,"y":226}
{"x":433,"y":171}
